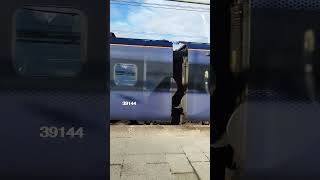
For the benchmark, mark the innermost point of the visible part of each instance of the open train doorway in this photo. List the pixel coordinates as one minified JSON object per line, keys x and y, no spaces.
{"x":191,"y":101}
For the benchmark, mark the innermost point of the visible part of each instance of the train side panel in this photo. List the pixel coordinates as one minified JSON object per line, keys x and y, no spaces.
{"x":53,"y":78}
{"x":140,"y":74}
{"x":197,"y":94}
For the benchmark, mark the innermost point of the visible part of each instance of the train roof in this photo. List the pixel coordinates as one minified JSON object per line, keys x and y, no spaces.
{"x":140,"y":42}
{"x":193,"y":45}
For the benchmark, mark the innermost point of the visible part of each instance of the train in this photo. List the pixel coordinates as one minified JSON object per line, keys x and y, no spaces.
{"x":275,"y":48}
{"x":150,"y":81}
{"x":53,"y":80}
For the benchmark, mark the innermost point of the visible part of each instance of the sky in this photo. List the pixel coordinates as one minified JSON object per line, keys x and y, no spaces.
{"x":160,"y":20}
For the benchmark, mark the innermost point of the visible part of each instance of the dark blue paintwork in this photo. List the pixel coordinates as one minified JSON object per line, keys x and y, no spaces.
{"x":198,"y":97}
{"x":28,"y":103}
{"x":142,"y":42}
{"x":201,"y":46}
{"x":154,"y":68}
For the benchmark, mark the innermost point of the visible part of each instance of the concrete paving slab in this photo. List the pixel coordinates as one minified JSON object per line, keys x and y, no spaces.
{"x":158,"y":152}
{"x":202,"y":143}
{"x":178,"y":163}
{"x":133,"y":169}
{"x":116,"y":159}
{"x":191,"y":149}
{"x":185,"y":176}
{"x":202,"y":169}
{"x":115,"y":172}
{"x":159,"y":171}
{"x":197,"y":157}
{"x":119,"y":145}
{"x":145,"y":158}
{"x":144,"y":177}
{"x":133,"y":177}
{"x":152,"y":145}
{"x":207,"y":155}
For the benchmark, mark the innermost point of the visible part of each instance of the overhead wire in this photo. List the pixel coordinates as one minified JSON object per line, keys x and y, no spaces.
{"x":162,"y":6}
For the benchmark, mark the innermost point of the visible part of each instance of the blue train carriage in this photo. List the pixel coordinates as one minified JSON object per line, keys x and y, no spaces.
{"x":195,"y":78}
{"x":48,"y":30}
{"x":140,"y":79}
{"x":53,"y":90}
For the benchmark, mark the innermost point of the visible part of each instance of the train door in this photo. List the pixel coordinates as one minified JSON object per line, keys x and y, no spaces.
{"x":197,"y":107}
{"x":277,"y":137}
{"x":191,"y":102}
{"x":53,"y":90}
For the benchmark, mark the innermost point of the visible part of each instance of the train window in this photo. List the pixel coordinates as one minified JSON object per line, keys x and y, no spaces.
{"x":198,"y":71}
{"x":125,"y":74}
{"x":49,"y":41}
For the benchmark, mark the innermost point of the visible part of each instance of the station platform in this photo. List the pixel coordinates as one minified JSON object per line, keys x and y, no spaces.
{"x":160,"y":152}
